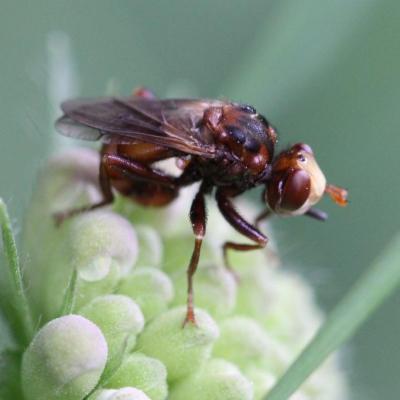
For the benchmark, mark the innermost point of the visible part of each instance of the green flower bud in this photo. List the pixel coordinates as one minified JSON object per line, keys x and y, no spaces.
{"x":256,"y":292}
{"x":126,"y":393}
{"x":327,"y":382}
{"x":244,"y":342}
{"x":262,"y":381}
{"x":175,"y":262}
{"x":181,"y":349}
{"x":218,"y":380}
{"x":136,"y":213}
{"x":120,"y":319}
{"x":150,"y":246}
{"x":264,"y":320}
{"x":89,"y":290}
{"x":215,"y":290}
{"x":100,"y":242}
{"x":281,"y":302}
{"x":69,"y":180}
{"x":101,"y":246}
{"x":142,"y":372}
{"x":64,"y":360}
{"x":292,"y":315}
{"x":151,"y":289}
{"x":97,"y":239}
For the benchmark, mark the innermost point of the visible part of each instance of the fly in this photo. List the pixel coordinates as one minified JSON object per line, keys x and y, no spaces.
{"x":227,"y":147}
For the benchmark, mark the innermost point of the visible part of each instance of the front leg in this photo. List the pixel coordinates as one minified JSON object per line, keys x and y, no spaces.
{"x":317,"y":214}
{"x":241,"y":225}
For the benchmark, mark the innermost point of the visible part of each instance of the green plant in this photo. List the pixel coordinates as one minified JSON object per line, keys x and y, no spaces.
{"x":99,"y":314}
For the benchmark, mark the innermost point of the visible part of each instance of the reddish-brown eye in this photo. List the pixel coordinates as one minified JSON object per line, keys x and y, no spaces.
{"x":296,"y":190}
{"x":289,"y":191}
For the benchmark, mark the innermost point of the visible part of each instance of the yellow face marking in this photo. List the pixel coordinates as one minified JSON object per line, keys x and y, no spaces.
{"x":307,"y":162}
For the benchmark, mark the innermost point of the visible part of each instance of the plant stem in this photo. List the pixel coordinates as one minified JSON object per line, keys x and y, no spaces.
{"x":18,"y":290}
{"x":365,"y":296}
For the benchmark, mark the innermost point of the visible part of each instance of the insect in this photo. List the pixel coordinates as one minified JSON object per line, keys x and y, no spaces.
{"x":227,"y":147}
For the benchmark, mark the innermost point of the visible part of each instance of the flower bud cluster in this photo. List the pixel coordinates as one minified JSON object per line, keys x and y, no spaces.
{"x":122,"y":271}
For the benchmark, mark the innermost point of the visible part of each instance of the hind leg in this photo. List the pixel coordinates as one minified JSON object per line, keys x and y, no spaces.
{"x":108,"y":198}
{"x":131,"y":172}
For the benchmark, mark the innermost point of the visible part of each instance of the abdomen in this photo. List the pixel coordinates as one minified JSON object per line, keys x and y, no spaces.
{"x":137,"y":189}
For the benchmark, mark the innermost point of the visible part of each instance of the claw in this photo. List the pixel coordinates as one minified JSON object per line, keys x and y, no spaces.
{"x":190,"y":318}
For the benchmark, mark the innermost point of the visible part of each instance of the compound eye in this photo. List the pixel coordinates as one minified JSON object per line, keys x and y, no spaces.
{"x":290,"y":191}
{"x":296,"y":190}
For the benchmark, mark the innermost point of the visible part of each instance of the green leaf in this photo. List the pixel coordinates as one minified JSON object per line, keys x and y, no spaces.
{"x":70,"y":295}
{"x":17,"y":287}
{"x":366,"y":295}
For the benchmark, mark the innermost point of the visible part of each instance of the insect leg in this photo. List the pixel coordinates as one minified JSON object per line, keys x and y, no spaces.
{"x":198,"y":219}
{"x":189,"y":175}
{"x":137,"y":170}
{"x":317,"y":214}
{"x":106,"y":190}
{"x":241,"y":225}
{"x":127,"y":166}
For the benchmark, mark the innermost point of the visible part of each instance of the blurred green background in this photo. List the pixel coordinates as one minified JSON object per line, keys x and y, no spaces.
{"x":326,"y":73}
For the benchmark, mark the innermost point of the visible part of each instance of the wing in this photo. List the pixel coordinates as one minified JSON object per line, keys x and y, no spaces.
{"x":174,"y":123}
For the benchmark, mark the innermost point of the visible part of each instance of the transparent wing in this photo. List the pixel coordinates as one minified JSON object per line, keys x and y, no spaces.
{"x":174,"y":123}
